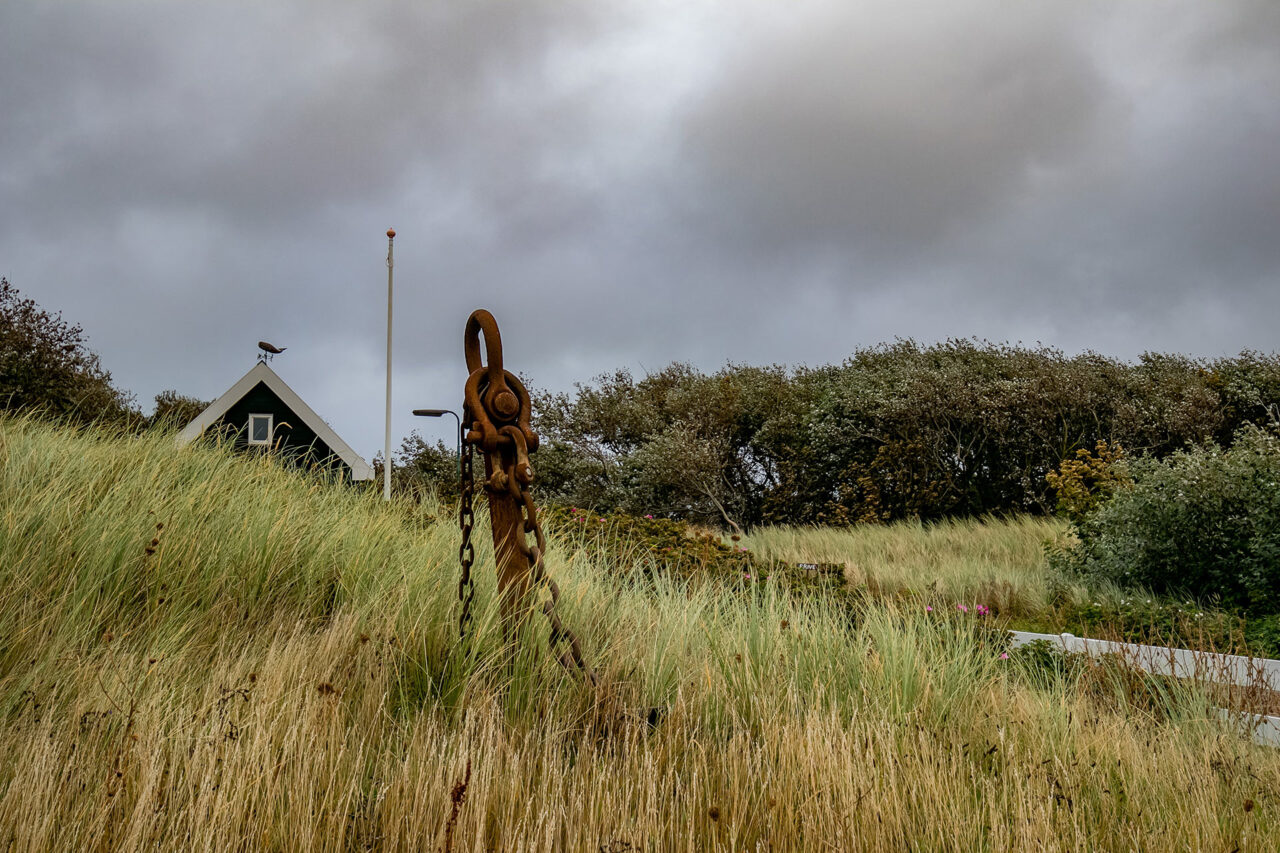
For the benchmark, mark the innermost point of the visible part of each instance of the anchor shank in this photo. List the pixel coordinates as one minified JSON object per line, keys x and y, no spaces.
{"x":507,"y":522}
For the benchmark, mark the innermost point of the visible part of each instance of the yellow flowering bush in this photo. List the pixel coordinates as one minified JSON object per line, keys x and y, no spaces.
{"x":1085,"y":481}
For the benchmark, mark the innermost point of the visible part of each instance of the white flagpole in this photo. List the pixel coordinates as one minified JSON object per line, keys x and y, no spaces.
{"x":386,"y":452}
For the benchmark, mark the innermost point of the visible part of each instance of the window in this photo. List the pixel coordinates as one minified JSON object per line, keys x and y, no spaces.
{"x":260,"y":429}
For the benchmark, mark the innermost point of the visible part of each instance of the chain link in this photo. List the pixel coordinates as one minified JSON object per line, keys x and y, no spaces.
{"x":537,"y":571}
{"x":467,"y":552}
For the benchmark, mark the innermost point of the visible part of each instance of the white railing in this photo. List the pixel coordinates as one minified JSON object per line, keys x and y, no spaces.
{"x":1183,"y":663}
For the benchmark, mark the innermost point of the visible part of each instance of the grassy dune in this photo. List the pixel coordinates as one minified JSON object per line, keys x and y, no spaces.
{"x":199,"y":651}
{"x":996,"y":562}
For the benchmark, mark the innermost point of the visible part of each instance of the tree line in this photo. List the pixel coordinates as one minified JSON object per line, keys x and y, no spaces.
{"x":897,"y":431}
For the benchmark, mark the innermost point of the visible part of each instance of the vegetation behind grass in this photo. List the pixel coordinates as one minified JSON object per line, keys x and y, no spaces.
{"x":1012,"y":569}
{"x":995,"y":562}
{"x":1206,"y":521}
{"x":895,"y":432}
{"x":208,"y":652}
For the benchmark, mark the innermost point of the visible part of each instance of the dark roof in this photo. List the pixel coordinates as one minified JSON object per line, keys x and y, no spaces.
{"x":261,"y":374}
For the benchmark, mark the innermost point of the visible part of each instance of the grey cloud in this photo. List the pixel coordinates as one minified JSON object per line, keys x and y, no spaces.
{"x":883,"y":132}
{"x":629,"y":183}
{"x":261,"y":115}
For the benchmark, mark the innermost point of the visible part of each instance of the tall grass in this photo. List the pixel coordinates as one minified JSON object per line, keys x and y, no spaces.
{"x":280,"y":670}
{"x":996,"y":562}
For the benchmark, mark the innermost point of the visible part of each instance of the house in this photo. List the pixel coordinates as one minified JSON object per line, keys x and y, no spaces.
{"x":261,"y":412}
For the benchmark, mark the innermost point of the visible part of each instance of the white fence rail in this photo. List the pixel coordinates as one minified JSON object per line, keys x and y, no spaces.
{"x":1183,"y":663}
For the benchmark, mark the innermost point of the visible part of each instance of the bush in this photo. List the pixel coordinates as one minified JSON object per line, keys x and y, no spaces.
{"x":898,"y":431}
{"x":420,"y":467}
{"x":1164,"y":621}
{"x":175,"y":411}
{"x":1085,"y":482}
{"x":1205,"y":523}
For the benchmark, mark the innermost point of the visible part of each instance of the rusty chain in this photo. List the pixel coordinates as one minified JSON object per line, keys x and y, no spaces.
{"x":496,"y":413}
{"x":467,"y":552}
{"x":534,"y":552}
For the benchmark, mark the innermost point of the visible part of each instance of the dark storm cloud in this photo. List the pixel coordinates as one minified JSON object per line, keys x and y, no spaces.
{"x":884,"y":133}
{"x":629,"y":183}
{"x":1007,"y":174}
{"x":194,"y":175}
{"x":258,"y":115}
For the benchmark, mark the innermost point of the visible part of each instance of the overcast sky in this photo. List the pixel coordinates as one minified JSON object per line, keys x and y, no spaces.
{"x":626,"y":184}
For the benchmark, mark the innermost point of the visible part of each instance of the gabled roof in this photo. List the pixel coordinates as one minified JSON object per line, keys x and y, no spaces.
{"x":360,"y":470}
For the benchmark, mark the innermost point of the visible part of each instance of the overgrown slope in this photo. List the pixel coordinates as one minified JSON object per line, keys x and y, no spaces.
{"x":276,"y":668}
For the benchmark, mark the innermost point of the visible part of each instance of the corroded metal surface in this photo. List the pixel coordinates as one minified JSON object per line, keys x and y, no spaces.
{"x":495,"y":416}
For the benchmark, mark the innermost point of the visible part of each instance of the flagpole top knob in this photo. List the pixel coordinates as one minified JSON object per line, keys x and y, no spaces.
{"x":391,"y":232}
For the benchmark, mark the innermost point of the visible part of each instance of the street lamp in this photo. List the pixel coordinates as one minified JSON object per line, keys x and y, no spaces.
{"x":439,"y":413}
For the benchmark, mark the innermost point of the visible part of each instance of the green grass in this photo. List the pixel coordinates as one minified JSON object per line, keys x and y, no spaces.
{"x":1002,"y":564}
{"x":995,"y":562}
{"x":281,"y":671}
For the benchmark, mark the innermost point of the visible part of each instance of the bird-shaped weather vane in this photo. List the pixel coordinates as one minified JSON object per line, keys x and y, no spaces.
{"x":269,"y":350}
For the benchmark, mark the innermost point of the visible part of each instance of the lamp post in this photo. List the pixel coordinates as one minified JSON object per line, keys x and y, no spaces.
{"x":439,"y":413}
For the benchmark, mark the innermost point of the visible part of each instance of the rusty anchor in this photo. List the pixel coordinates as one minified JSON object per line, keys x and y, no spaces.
{"x":495,"y":421}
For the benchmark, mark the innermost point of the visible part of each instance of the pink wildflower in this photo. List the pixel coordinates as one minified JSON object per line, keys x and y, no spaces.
{"x":928,"y":608}
{"x":648,"y":516}
{"x":1004,"y":656}
{"x":962,"y":608}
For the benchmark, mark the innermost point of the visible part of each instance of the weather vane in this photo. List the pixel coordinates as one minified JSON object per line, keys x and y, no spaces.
{"x":269,"y":350}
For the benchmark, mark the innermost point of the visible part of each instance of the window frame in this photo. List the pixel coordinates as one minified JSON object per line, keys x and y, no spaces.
{"x":270,"y":429}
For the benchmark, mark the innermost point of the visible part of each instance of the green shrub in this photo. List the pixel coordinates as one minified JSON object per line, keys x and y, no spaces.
{"x":1205,"y":523}
{"x":1262,"y":635}
{"x":1085,"y":482}
{"x":898,"y":431}
{"x":1162,"y":621}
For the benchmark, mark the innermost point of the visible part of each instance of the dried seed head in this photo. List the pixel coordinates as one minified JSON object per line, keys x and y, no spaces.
{"x":714,"y":811}
{"x":1248,"y":805}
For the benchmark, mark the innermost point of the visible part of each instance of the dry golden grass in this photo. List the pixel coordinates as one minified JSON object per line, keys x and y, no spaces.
{"x":300,"y":689}
{"x":298,"y":743}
